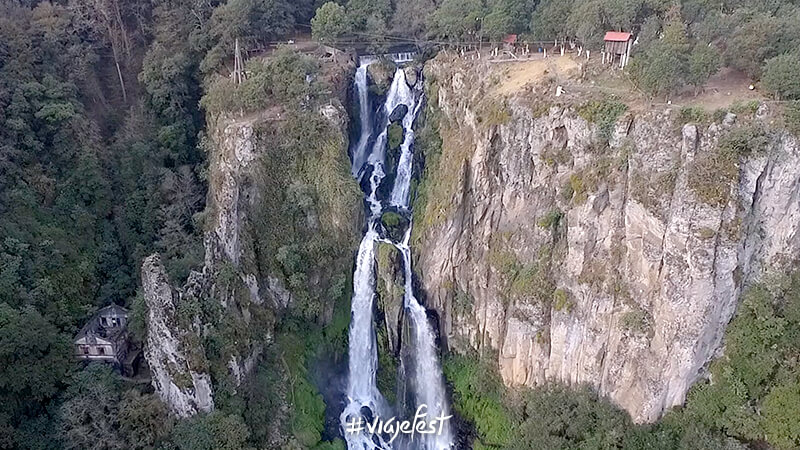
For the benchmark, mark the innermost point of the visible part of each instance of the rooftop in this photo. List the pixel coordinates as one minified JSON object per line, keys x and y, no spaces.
{"x":617,"y":36}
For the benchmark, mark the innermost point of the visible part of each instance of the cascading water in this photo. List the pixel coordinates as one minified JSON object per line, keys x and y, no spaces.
{"x":364,"y":399}
{"x":359,"y":153}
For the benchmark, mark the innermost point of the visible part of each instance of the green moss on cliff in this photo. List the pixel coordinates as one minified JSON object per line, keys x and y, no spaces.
{"x":713,"y":174}
{"x":603,"y":113}
{"x":305,"y":222}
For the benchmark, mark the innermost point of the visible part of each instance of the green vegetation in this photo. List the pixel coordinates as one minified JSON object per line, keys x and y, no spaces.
{"x":713,"y":174}
{"x":395,"y":225}
{"x":753,"y":397}
{"x":637,"y":320}
{"x":394,"y":136}
{"x":104,"y":162}
{"x":747,"y":108}
{"x":562,"y":301}
{"x":756,"y":383}
{"x":277,"y":81}
{"x":692,"y":114}
{"x":604,"y":113}
{"x":791,"y":117}
{"x":560,"y":417}
{"x":551,"y":219}
{"x":329,"y":23}
{"x":478,"y":396}
{"x":780,"y":76}
{"x":494,"y":113}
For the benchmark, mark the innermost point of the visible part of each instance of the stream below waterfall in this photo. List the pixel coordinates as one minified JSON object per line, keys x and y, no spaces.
{"x":422,"y":376}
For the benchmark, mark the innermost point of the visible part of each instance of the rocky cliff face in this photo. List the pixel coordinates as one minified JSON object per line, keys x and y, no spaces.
{"x":176,"y":365}
{"x":613,"y":256}
{"x":281,"y":221}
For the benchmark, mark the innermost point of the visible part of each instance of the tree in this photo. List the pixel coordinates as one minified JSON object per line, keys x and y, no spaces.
{"x":144,"y":420}
{"x":457,"y":19}
{"x":550,"y":18}
{"x":329,"y":23}
{"x":662,"y":67}
{"x":410,"y":17}
{"x":504,"y":17}
{"x":360,"y":11}
{"x":782,"y":416}
{"x":253,"y":22}
{"x":34,"y":357}
{"x":586,"y":22}
{"x":703,"y":62}
{"x":781,"y":76}
{"x":89,"y":418}
{"x":213,"y":431}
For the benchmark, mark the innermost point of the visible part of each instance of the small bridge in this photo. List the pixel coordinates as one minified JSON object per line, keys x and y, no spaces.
{"x":399,"y":58}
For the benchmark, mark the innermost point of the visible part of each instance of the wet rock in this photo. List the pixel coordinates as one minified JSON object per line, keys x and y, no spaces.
{"x":380,"y":76}
{"x":394,"y":224}
{"x":411,"y":75}
{"x":390,"y":287}
{"x":398,"y":113}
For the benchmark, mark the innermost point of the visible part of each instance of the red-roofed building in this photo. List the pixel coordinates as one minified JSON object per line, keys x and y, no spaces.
{"x":510,"y":41}
{"x":618,"y":44}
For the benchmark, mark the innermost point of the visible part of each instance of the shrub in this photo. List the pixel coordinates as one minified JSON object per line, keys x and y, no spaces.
{"x":692,"y":114}
{"x":780,"y":76}
{"x":745,"y":108}
{"x":604,"y":113}
{"x":282,"y":78}
{"x":496,"y":113}
{"x":394,"y":136}
{"x":636,"y":320}
{"x":791,"y":117}
{"x":561,"y":300}
{"x":551,"y":219}
{"x":714,"y":173}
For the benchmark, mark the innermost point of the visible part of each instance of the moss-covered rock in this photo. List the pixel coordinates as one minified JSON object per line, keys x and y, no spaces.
{"x":394,"y":136}
{"x":390,"y":303}
{"x":394,"y":224}
{"x":380,"y":76}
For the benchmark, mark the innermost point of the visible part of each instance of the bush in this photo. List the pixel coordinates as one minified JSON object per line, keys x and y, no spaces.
{"x":791,"y":117}
{"x":286,"y":78}
{"x":551,"y":219}
{"x":781,"y":76}
{"x":478,"y":397}
{"x":745,"y":108}
{"x":604,"y":113}
{"x":714,"y":173}
{"x":561,"y":301}
{"x":394,"y":136}
{"x":692,"y":114}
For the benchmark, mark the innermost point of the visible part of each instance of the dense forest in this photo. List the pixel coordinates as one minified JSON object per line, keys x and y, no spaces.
{"x":103,"y":161}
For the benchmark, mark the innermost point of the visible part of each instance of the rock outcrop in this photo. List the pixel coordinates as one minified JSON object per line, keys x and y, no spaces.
{"x":280,"y":194}
{"x":175,"y":361}
{"x":610,"y":258}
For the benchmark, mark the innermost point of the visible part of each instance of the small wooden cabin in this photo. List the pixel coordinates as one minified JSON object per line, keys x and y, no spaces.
{"x":618,"y":45}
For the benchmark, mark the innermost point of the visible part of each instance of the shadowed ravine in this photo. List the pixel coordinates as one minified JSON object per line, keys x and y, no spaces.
{"x":424,"y":373}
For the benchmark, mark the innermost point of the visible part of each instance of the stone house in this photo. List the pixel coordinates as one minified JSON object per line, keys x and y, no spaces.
{"x":105,"y":338}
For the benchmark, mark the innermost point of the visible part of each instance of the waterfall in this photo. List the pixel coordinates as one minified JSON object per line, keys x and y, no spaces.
{"x":359,"y":155}
{"x":363,"y":397}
